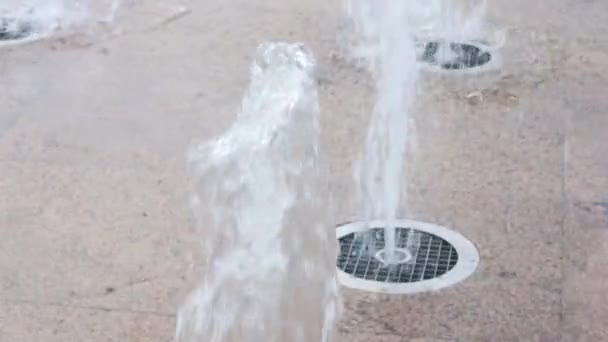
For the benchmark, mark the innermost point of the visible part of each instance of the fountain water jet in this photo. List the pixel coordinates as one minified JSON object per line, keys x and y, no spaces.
{"x":262,"y":208}
{"x":390,"y":53}
{"x":380,"y":253}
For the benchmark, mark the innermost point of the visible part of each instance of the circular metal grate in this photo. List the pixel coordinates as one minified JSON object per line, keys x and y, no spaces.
{"x":459,"y":56}
{"x":14,"y":29}
{"x":431,"y":256}
{"x":428,"y":257}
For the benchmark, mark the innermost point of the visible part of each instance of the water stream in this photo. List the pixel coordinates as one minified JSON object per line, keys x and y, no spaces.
{"x":390,"y":53}
{"x":262,"y":208}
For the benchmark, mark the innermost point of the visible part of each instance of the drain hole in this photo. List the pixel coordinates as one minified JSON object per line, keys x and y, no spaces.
{"x":14,"y":29}
{"x":400,"y":256}
{"x":458,"y":56}
{"x":421,"y":256}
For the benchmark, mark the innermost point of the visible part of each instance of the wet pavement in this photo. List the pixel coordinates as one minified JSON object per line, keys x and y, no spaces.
{"x":97,"y":239}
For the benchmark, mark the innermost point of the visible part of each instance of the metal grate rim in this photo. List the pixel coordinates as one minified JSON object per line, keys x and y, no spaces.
{"x":440,"y":257}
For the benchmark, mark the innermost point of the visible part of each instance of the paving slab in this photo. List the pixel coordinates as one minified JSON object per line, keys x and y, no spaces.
{"x":97,"y":240}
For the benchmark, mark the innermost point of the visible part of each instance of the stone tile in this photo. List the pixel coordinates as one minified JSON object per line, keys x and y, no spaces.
{"x":388,"y":338}
{"x":586,"y":229}
{"x":91,"y":233}
{"x":59,"y":323}
{"x":504,"y":310}
{"x":586,"y":152}
{"x":491,"y":154}
{"x":585,"y":288}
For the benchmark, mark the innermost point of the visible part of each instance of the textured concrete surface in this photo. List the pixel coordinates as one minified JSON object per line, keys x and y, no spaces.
{"x":97,"y":238}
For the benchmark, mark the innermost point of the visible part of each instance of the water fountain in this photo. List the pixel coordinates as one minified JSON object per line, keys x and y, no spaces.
{"x":29,"y":20}
{"x":383,"y":253}
{"x":263,"y":214}
{"x":392,"y":59}
{"x":262,"y":209}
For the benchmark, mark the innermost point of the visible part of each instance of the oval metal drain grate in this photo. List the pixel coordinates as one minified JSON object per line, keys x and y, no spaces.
{"x":455,"y":56}
{"x":14,"y":29}
{"x":436,"y":257}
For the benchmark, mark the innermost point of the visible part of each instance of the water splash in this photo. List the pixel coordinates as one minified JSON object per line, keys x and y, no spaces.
{"x":43,"y":18}
{"x":437,"y":21}
{"x":448,"y":19}
{"x":445,"y":21}
{"x":262,"y":209}
{"x":389,"y":52}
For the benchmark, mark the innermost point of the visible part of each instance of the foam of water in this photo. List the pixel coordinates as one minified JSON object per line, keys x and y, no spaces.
{"x":448,"y":19}
{"x":47,"y":17}
{"x":390,"y":53}
{"x":264,"y":217}
{"x":442,"y":21}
